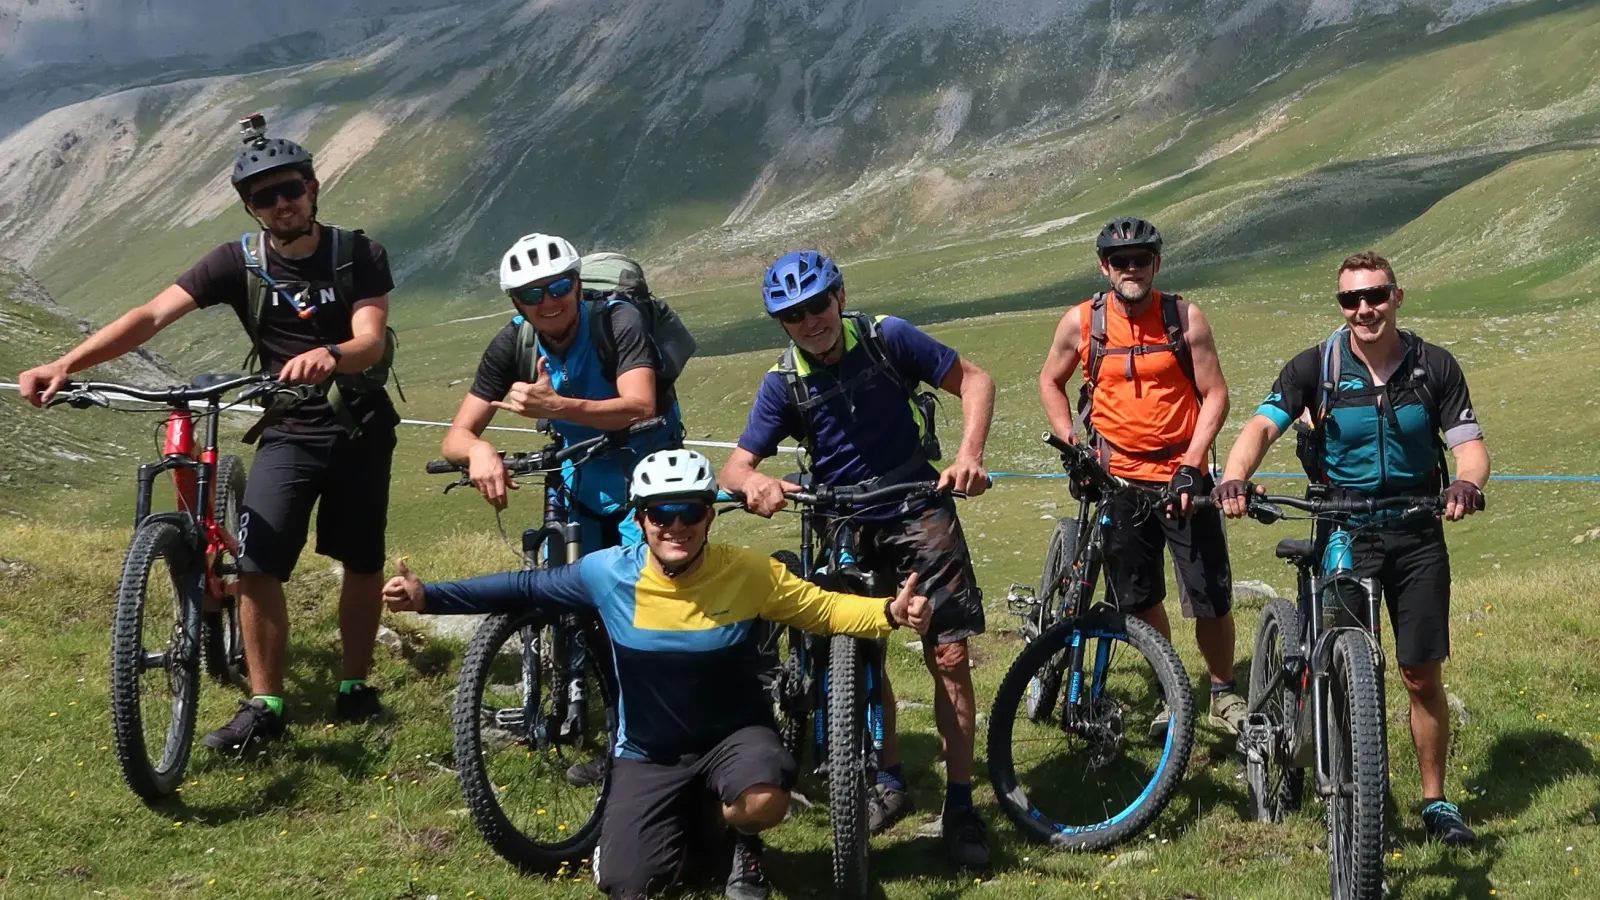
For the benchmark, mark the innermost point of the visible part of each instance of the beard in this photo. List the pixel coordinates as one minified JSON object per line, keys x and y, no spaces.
{"x":1131,"y":292}
{"x":286,"y":235}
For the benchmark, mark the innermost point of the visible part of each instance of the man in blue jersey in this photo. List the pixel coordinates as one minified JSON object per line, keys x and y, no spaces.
{"x":849,"y":389}
{"x":693,"y":714}
{"x":1384,"y":404}
{"x":587,"y":366}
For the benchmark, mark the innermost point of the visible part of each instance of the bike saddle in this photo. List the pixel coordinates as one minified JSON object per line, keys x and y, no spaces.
{"x":1297,"y":549}
{"x":201,"y":382}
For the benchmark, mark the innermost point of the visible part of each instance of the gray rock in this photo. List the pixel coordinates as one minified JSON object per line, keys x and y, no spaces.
{"x":1254,"y":594}
{"x":1457,"y":707}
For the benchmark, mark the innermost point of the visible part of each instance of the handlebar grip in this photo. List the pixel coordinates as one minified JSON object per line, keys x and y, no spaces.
{"x":442,"y":467}
{"x":646,"y":425}
{"x":1058,"y":443}
{"x":730,"y":497}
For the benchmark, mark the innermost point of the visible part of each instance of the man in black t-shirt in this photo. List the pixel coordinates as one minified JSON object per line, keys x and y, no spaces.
{"x":306,"y":331}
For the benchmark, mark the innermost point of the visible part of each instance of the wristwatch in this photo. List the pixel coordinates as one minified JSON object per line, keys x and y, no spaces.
{"x":889,"y":615}
{"x":334,"y":349}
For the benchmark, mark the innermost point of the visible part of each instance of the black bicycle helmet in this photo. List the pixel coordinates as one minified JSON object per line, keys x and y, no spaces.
{"x":262,"y":154}
{"x":1128,"y":231}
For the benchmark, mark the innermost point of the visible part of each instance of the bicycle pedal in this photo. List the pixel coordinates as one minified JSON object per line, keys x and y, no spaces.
{"x":1020,"y":600}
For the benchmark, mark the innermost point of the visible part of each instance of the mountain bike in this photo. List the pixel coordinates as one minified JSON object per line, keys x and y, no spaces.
{"x":828,"y":691}
{"x":189,"y":555}
{"x":1083,"y":768}
{"x":1316,"y":685}
{"x":537,"y":696}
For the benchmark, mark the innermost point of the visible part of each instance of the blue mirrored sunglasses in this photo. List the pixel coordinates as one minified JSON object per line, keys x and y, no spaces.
{"x":664,"y":514}
{"x":533,"y":295}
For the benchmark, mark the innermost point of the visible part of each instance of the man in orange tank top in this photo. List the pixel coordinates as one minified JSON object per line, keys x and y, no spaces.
{"x":1156,"y":402}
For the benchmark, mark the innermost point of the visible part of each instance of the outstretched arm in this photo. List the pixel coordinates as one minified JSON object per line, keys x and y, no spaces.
{"x":558,"y":588}
{"x":803,"y":605}
{"x":129,"y":332}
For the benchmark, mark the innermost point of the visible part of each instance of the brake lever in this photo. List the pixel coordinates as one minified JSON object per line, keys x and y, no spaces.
{"x":463,"y":481}
{"x":80,"y":400}
{"x":1266,"y":513}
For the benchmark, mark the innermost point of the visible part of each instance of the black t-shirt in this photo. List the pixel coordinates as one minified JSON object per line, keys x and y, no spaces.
{"x":497,"y":371}
{"x":221,"y":279}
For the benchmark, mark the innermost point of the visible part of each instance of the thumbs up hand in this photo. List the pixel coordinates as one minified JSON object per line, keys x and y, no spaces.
{"x":404,"y":592}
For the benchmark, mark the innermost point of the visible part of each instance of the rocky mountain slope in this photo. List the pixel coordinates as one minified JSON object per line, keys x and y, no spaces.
{"x":708,"y":135}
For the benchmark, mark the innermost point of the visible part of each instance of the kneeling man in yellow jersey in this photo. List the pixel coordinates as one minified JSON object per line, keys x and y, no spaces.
{"x":693,"y":713}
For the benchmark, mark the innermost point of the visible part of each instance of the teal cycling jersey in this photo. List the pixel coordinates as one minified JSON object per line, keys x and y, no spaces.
{"x":1377,"y":440}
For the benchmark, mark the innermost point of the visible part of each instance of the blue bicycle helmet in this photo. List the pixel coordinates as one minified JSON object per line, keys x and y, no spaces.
{"x":797,"y":277}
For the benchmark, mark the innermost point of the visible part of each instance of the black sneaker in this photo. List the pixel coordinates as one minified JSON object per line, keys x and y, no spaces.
{"x":588,"y":773}
{"x":1443,"y":821}
{"x":886,"y":806}
{"x":965,"y":837}
{"x":358,"y":704}
{"x":253,"y":722}
{"x":746,"y":881}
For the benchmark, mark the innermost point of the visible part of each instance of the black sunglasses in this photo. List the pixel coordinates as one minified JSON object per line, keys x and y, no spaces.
{"x":663,"y":515}
{"x":535,"y":295}
{"x":1125,"y":261}
{"x":267,"y":197}
{"x":1375,"y":296}
{"x":796,"y":314}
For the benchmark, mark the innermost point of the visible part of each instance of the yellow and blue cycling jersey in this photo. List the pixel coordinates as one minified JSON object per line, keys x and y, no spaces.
{"x":684,"y":648}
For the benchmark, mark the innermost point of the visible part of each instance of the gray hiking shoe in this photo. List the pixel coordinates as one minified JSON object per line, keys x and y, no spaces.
{"x":885,"y":807}
{"x":965,"y":837}
{"x":1227,"y":711}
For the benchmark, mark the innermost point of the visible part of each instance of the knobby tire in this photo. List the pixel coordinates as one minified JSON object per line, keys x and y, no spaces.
{"x":1167,"y":671}
{"x":529,"y":854}
{"x":847,"y":764}
{"x":157,"y":539}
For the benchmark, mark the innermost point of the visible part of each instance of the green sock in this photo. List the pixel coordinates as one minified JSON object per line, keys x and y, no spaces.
{"x":273,"y":703}
{"x":349,"y":684}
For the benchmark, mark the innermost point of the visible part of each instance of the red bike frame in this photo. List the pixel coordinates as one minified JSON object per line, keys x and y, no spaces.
{"x":188,"y":474}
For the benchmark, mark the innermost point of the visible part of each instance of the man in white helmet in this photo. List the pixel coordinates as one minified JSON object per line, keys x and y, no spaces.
{"x":587,"y":366}
{"x":681,"y":611}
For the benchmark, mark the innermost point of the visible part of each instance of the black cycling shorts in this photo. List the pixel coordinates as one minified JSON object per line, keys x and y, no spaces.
{"x":1412,"y":568}
{"x":1135,"y":570}
{"x":290,"y":474}
{"x":932,"y":545}
{"x":651,"y":806}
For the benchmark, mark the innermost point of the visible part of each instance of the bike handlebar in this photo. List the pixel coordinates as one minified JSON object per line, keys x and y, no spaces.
{"x":1266,"y":507}
{"x":527,"y":463}
{"x":84,"y":394}
{"x":1081,"y":463}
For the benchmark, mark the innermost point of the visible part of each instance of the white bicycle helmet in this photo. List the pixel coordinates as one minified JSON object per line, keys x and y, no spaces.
{"x":672,"y":474}
{"x":536,"y":256}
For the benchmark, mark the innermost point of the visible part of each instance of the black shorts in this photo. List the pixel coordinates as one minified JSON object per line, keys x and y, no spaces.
{"x":1135,"y":570}
{"x":651,"y":806}
{"x":932,"y":545}
{"x":291,"y":473}
{"x":1412,"y":568}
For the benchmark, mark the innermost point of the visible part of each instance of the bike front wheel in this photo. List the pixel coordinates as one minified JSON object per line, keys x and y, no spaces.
{"x":155,"y":682}
{"x":1095,"y":772}
{"x":1360,"y":770}
{"x":1044,"y":688}
{"x":847,"y":765}
{"x":534,"y":793}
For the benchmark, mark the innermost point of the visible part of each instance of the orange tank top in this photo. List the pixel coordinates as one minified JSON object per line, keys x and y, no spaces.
{"x":1144,"y":406}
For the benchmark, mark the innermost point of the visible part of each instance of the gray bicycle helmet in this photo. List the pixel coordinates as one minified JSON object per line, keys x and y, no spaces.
{"x":262,"y":154}
{"x":1128,"y":231}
